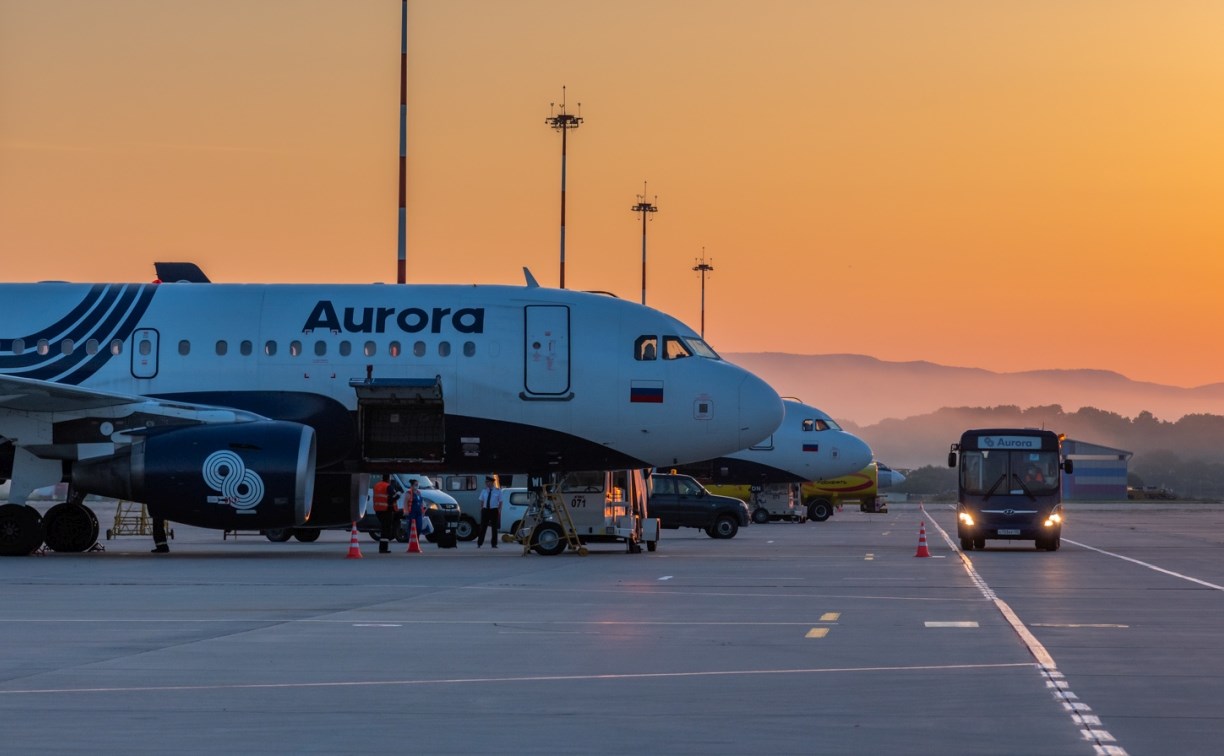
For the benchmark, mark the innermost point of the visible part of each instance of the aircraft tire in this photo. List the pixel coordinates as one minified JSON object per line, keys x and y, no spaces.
{"x":21,"y":530}
{"x":278,"y":535}
{"x":307,"y":535}
{"x":70,"y":528}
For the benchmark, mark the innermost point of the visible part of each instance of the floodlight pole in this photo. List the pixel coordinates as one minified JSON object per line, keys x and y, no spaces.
{"x":563,"y":122}
{"x":644,"y":207}
{"x":703,"y":267}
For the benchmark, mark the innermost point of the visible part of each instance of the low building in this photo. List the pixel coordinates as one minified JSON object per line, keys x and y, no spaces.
{"x":1099,"y":472}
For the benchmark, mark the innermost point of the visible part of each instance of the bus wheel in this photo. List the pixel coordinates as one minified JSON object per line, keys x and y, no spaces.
{"x":979,"y":543}
{"x":966,"y":544}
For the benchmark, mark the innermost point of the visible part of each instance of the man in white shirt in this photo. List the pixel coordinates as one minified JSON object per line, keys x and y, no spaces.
{"x":490,"y":510}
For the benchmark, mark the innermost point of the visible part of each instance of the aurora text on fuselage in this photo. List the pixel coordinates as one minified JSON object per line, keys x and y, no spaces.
{"x":408,"y":320}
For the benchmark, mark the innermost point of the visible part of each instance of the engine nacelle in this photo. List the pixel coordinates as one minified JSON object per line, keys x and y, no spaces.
{"x":246,"y":476}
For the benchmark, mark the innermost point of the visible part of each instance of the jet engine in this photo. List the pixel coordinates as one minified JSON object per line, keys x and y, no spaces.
{"x":247,"y":476}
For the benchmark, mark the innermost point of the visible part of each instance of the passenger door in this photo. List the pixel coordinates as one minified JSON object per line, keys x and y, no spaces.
{"x":546,"y":367}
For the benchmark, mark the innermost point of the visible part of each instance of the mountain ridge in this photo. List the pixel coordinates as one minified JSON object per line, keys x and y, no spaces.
{"x":866,"y":390}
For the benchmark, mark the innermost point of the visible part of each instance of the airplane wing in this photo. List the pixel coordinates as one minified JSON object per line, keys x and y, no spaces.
{"x":47,"y":423}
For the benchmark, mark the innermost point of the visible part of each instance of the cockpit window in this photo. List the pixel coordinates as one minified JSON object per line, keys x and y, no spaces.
{"x":819,"y":424}
{"x":674,"y":348}
{"x":646,"y":348}
{"x":701,"y":349}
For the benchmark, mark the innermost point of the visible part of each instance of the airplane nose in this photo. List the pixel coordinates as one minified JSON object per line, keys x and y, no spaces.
{"x":854,"y":450}
{"x":760,"y":411}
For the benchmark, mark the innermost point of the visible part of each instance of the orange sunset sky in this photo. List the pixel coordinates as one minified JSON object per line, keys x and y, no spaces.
{"x":1005,"y":185}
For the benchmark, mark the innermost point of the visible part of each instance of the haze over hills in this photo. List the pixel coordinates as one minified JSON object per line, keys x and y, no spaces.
{"x":864,"y":390}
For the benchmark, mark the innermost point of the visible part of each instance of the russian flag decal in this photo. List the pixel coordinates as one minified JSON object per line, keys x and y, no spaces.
{"x":646,"y":392}
{"x":811,"y":447}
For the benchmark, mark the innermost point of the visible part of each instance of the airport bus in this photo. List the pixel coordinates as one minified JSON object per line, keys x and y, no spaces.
{"x":1009,"y":487}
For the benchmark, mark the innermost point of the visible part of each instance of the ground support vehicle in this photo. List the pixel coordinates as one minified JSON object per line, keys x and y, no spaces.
{"x":585,"y":508}
{"x":821,"y":497}
{"x":772,"y":502}
{"x":1009,"y":486}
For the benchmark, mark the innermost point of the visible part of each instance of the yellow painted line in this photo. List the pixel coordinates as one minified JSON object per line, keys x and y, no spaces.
{"x":817,"y":632}
{"x":830,"y":616}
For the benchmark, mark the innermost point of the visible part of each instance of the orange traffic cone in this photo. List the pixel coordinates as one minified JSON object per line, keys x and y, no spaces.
{"x":922,"y":547}
{"x":414,"y":546}
{"x":354,"y":547}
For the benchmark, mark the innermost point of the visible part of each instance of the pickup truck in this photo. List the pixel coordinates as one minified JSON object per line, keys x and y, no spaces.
{"x":679,"y":501}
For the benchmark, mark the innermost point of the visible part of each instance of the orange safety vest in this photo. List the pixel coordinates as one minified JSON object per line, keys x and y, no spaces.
{"x":380,"y":495}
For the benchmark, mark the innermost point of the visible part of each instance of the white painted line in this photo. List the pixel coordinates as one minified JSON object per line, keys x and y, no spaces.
{"x":376,"y":624}
{"x":1046,"y":666}
{"x":541,"y":678}
{"x":1170,"y":573}
{"x":1055,"y":624}
{"x":666,"y":577}
{"x":950,"y":624}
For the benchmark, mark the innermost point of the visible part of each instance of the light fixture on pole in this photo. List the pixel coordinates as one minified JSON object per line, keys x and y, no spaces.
{"x":563,"y":122}
{"x":703,"y":267}
{"x":644,"y":207}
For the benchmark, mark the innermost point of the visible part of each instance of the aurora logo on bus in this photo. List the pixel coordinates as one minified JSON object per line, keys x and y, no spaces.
{"x":1009,"y":442}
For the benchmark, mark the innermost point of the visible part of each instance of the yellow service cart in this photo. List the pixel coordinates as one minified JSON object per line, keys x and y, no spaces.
{"x":132,"y":518}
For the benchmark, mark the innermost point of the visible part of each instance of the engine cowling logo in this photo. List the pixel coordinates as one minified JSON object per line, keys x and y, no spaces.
{"x":226,"y":473}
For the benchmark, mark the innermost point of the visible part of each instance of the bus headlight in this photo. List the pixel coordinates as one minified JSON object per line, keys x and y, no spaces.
{"x":1052,"y":520}
{"x":966,"y":519}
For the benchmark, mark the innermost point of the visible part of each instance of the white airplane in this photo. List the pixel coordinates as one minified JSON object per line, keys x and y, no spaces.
{"x":253,"y":406}
{"x":808,"y":445}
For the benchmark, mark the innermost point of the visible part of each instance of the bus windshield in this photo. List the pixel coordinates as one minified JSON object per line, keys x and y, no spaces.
{"x":1009,"y":472}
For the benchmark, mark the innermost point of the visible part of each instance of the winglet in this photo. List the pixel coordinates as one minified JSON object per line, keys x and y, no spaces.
{"x":532,"y":283}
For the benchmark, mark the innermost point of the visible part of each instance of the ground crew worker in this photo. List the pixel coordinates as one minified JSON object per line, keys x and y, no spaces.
{"x":387,"y":508}
{"x":490,"y":511}
{"x":414,"y":506}
{"x":159,"y":536}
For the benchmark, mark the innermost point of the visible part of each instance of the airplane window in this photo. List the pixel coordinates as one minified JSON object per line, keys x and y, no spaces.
{"x":320,"y":348}
{"x":469,"y":348}
{"x":809,"y":425}
{"x":66,"y":346}
{"x":184,"y":347}
{"x":222,"y":347}
{"x":418,"y":349}
{"x":645,"y":347}
{"x":270,"y":348}
{"x":370,"y":349}
{"x":18,"y":346}
{"x":43,"y":347}
{"x":394,"y":349}
{"x":295,"y":348}
{"x":245,"y":348}
{"x":444,"y":349}
{"x":116,"y":347}
{"x":345,"y":348}
{"x":91,"y":346}
{"x":701,"y":349}
{"x":675,"y":349}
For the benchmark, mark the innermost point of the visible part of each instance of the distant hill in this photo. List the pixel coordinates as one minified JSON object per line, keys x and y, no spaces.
{"x":864,"y":390}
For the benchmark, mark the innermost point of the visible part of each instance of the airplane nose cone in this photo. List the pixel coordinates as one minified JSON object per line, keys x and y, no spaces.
{"x":853,"y":450}
{"x":760,"y":411}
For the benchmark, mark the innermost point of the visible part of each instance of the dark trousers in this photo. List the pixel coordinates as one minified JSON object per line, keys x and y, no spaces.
{"x":388,"y":524}
{"x":489,"y":517}
{"x":159,"y":535}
